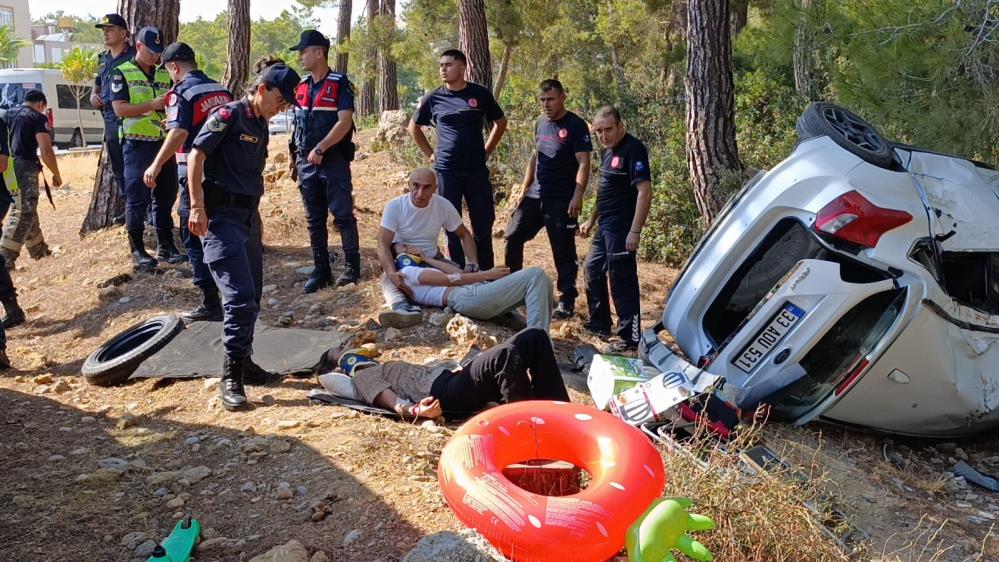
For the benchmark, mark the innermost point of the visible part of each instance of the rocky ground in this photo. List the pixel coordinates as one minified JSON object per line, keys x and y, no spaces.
{"x":103,"y":473}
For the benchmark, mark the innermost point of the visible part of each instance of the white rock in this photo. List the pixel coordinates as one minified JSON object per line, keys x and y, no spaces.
{"x":269,"y":288}
{"x":351,"y":537}
{"x":196,"y":474}
{"x":211,"y":383}
{"x":292,"y":551}
{"x":307,"y":270}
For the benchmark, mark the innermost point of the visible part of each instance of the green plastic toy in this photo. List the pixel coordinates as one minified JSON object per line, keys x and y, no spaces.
{"x":662,"y":528}
{"x":180,"y":544}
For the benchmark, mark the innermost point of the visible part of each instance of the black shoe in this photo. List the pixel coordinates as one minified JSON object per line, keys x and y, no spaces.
{"x":141,"y":261}
{"x":14,"y":314}
{"x":320,"y":279}
{"x":8,"y":258}
{"x":563,"y":311}
{"x":255,"y":375}
{"x":352,"y":273}
{"x":166,"y":250}
{"x":599,"y":331}
{"x":210,"y":308}
{"x":4,"y":360}
{"x":231,"y":391}
{"x":620,"y":346}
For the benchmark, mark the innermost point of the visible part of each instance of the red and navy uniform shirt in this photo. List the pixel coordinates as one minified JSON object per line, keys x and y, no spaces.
{"x":191,"y":102}
{"x":459,"y":117}
{"x":234,"y":138}
{"x":622,"y":168}
{"x":557,"y":143}
{"x":319,"y":103}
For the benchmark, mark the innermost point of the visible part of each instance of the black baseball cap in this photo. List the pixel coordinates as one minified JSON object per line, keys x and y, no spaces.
{"x":112,"y":19}
{"x":177,"y":52}
{"x":151,"y":38}
{"x":311,"y":38}
{"x":284,"y":78}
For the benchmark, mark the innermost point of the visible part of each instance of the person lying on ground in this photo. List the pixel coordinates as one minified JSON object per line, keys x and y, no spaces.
{"x":443,"y":284}
{"x":416,"y":218}
{"x":521,"y":368}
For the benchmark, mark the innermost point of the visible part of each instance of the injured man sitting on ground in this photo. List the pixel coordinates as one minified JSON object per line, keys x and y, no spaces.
{"x":521,"y":368}
{"x":481,"y":295}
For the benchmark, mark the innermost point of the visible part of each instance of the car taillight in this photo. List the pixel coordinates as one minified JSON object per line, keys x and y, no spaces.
{"x":851,"y":217}
{"x":852,"y":376}
{"x":51,"y":117}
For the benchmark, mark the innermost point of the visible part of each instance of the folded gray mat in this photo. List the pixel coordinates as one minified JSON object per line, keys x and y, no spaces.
{"x":323,"y":397}
{"x":197,"y":351}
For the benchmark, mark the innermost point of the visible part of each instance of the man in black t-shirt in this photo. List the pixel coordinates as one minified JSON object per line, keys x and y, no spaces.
{"x":29,"y":132}
{"x":552,"y":193}
{"x":459,"y":110}
{"x":624,"y":196}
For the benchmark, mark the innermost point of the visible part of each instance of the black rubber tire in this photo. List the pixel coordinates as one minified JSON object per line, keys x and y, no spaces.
{"x":845,"y":128}
{"x":118,"y":357}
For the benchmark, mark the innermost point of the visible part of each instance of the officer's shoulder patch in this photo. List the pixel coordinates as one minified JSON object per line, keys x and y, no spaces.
{"x":171,"y":98}
{"x":216,"y":125}
{"x":639,"y":166}
{"x":224,"y":113}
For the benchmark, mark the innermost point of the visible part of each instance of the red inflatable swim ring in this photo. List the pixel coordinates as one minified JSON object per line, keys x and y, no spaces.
{"x":626,"y":476}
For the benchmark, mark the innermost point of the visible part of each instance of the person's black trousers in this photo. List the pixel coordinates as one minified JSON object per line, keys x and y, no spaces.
{"x":521,"y":368}
{"x":552,"y":214}
{"x":609,"y":260}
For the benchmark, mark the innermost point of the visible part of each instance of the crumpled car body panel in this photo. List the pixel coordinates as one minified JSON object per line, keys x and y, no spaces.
{"x":878,"y":341}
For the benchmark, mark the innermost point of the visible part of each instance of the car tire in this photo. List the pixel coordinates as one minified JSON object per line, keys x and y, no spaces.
{"x":118,"y":357}
{"x":845,"y":128}
{"x":77,"y":140}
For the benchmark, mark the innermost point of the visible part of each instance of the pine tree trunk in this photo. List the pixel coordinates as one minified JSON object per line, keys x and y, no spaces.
{"x":366,"y":102}
{"x":473,"y":40}
{"x":711,"y":147}
{"x":106,"y":201}
{"x":237,"y":68}
{"x":386,"y":62}
{"x":807,"y":80}
{"x":504,"y":67}
{"x":342,"y":35}
{"x":740,"y":15}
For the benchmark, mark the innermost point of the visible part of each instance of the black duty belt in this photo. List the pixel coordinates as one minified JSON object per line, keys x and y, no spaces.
{"x":216,"y":198}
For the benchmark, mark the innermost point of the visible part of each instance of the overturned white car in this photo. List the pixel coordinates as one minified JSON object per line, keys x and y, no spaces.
{"x":858,"y":280}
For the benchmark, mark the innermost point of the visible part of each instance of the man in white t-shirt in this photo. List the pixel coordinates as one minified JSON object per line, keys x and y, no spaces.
{"x":415,"y":220}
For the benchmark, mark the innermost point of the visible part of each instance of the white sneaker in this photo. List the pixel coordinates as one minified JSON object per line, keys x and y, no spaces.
{"x":401,"y":316}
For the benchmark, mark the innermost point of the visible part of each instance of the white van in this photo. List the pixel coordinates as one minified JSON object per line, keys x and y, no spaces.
{"x":62,"y":113}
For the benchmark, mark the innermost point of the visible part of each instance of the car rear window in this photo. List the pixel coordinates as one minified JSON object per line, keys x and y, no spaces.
{"x":787,"y":243}
{"x":12,"y":93}
{"x":827,"y":364}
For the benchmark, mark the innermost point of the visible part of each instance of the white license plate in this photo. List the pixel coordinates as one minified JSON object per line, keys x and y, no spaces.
{"x":769,"y":337}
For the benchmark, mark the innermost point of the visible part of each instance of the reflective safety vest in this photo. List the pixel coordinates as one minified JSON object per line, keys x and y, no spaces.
{"x":10,"y":178}
{"x":140,"y":90}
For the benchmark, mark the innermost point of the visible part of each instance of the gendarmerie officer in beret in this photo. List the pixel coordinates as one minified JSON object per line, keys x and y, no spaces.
{"x":225,"y":178}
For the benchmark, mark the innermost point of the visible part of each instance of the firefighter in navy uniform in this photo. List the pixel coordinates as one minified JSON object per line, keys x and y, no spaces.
{"x":624,"y":196}
{"x":138,"y":90}
{"x":193,"y":98}
{"x":322,"y":150}
{"x":225,"y":178}
{"x":115,"y":32}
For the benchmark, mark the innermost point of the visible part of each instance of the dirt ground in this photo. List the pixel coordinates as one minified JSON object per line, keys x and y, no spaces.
{"x":361,"y":487}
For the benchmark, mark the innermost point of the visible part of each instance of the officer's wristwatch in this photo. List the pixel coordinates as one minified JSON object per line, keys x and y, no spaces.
{"x":471,"y":267}
{"x":318,"y":151}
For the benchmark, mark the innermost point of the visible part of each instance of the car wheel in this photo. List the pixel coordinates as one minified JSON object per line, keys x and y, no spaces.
{"x":845,"y":128}
{"x":77,"y":140}
{"x":117,"y":358}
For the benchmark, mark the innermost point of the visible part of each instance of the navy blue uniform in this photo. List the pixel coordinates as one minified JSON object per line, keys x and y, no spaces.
{"x":5,"y":199}
{"x":235,"y":140}
{"x":105,"y":65}
{"x":188,"y":106}
{"x":621,"y":170}
{"x":138,"y":155}
{"x":557,"y":143}
{"x":460,"y":160}
{"x":326,"y":188}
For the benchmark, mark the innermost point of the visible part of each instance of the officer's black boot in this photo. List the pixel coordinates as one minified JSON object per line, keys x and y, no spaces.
{"x":255,"y":375}
{"x":352,"y":272}
{"x":231,"y":391}
{"x":166,"y":250}
{"x":141,"y":261}
{"x":322,"y":276}
{"x":209,"y":309}
{"x":14,"y":314}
